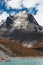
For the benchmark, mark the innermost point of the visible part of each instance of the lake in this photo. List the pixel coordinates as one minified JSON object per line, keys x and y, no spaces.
{"x":24,"y":61}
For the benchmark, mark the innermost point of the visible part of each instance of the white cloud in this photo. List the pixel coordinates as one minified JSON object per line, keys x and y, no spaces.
{"x":17,"y":3}
{"x":39,"y":16}
{"x":14,"y":3}
{"x":29,"y":3}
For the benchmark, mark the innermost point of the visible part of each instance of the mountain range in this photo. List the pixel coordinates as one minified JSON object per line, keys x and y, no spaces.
{"x":21,"y":35}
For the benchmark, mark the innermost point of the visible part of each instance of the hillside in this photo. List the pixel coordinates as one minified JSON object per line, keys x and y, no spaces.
{"x":21,"y":36}
{"x":17,"y":50}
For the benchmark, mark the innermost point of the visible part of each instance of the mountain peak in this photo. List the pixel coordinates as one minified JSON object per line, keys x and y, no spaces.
{"x":20,"y":32}
{"x":22,"y":14}
{"x":22,"y":20}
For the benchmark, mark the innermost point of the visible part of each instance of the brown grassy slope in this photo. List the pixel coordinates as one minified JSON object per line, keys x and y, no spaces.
{"x":19,"y":50}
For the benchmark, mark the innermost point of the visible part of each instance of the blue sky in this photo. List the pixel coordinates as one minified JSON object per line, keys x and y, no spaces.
{"x":3,"y":7}
{"x":11,"y":7}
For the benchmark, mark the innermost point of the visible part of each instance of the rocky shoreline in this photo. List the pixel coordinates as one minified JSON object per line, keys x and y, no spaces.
{"x":3,"y":59}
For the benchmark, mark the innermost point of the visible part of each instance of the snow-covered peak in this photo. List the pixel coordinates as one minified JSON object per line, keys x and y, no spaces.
{"x":22,"y":20}
{"x":22,"y":14}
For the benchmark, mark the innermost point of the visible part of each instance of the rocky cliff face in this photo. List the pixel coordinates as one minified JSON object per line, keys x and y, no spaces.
{"x":24,"y":30}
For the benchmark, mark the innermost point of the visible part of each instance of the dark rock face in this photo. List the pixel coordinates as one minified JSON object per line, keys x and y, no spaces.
{"x":9,"y":21}
{"x":32,"y":19}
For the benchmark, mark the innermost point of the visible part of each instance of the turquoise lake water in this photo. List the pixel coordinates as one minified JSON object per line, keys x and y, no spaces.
{"x":24,"y":61}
